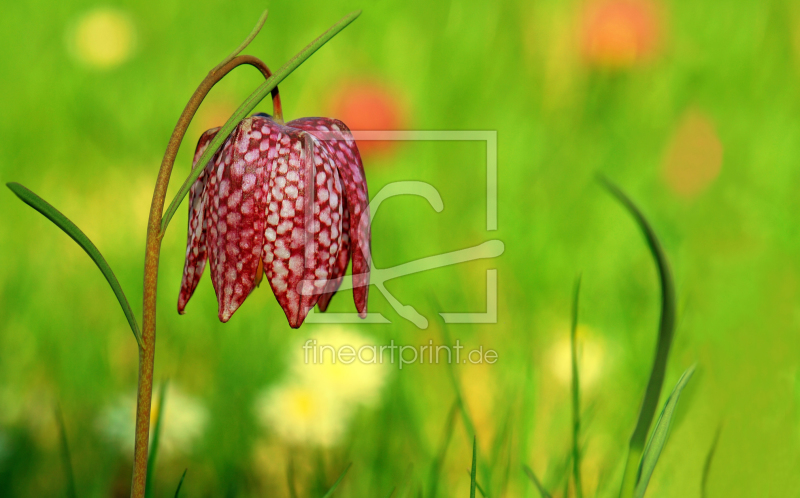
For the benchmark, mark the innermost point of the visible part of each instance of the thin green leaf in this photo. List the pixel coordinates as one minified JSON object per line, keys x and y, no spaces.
{"x":666,"y":330}
{"x":66,"y":458}
{"x":246,"y":42}
{"x":391,"y":493}
{"x":438,"y":463}
{"x":478,"y":485}
{"x":576,"y":394}
{"x":248,"y":105}
{"x":180,"y":483}
{"x":62,"y":222}
{"x":707,"y":466}
{"x":290,"y":478}
{"x":338,"y":481}
{"x":151,"y":460}
{"x":473,"y":474}
{"x":660,"y":434}
{"x":535,"y":480}
{"x":456,"y":385}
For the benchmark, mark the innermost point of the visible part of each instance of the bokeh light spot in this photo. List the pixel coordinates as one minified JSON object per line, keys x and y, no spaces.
{"x":619,"y":34}
{"x":102,"y":38}
{"x":693,"y":159}
{"x":369,"y":106}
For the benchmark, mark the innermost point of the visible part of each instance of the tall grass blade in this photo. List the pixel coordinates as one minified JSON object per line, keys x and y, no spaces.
{"x":180,"y":483}
{"x":707,"y":465}
{"x":246,"y":42}
{"x":436,"y":469}
{"x":290,"y":480}
{"x":248,"y":105}
{"x":576,"y":394}
{"x":457,"y":387}
{"x":151,"y":460}
{"x":666,"y":329}
{"x":338,"y":481}
{"x":660,"y":434}
{"x":536,"y":482}
{"x":478,"y":485}
{"x":62,"y":222}
{"x":66,"y":458}
{"x":473,"y":473}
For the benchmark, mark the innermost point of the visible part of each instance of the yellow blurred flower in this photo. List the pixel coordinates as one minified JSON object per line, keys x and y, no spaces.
{"x":102,"y":38}
{"x":184,"y":420}
{"x":593,"y":358}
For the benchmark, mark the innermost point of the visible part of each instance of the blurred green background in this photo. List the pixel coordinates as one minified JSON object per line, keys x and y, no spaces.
{"x":691,"y":106}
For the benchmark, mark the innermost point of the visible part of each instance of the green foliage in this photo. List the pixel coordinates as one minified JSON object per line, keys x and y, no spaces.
{"x":82,"y":240}
{"x":338,"y":481}
{"x":659,"y":437}
{"x":89,"y":140}
{"x":156,"y":441}
{"x":666,"y":330}
{"x":180,"y":483}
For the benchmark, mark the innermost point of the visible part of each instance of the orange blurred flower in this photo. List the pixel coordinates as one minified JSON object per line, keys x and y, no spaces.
{"x":369,"y":106}
{"x":620,"y":33}
{"x":694,"y":157}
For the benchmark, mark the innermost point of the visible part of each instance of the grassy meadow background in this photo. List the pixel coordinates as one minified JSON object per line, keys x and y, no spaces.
{"x":690,"y":106}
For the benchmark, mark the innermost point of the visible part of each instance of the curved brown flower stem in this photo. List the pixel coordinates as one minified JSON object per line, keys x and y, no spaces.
{"x":152,"y":253}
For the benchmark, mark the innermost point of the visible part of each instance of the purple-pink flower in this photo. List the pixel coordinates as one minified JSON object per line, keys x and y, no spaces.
{"x":286,"y":201}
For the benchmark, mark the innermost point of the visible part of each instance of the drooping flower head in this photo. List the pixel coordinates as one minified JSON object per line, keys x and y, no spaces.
{"x":286,"y":201}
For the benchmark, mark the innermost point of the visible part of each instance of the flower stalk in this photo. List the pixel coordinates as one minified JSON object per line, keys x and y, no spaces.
{"x":158,"y":220}
{"x":152,"y":254}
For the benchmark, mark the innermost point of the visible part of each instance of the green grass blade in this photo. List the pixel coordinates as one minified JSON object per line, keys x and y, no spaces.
{"x":180,"y":483}
{"x":457,"y":386}
{"x":660,"y":434}
{"x":576,"y":394}
{"x":62,"y":222}
{"x":473,"y":473}
{"x":707,"y":466}
{"x":252,"y":101}
{"x":478,"y":485}
{"x":66,"y":458}
{"x":246,"y":42}
{"x":536,"y":482}
{"x":391,"y":493}
{"x":338,"y":481}
{"x":666,"y":330}
{"x":438,"y":463}
{"x":151,"y":460}
{"x":290,"y":479}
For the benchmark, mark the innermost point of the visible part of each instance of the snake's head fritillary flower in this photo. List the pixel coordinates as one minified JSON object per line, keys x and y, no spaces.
{"x":285,"y":201}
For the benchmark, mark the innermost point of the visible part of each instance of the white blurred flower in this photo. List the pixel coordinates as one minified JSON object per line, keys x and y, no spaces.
{"x":102,"y":37}
{"x":359,"y":381}
{"x":303,"y":414}
{"x":184,"y":420}
{"x":593,"y":357}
